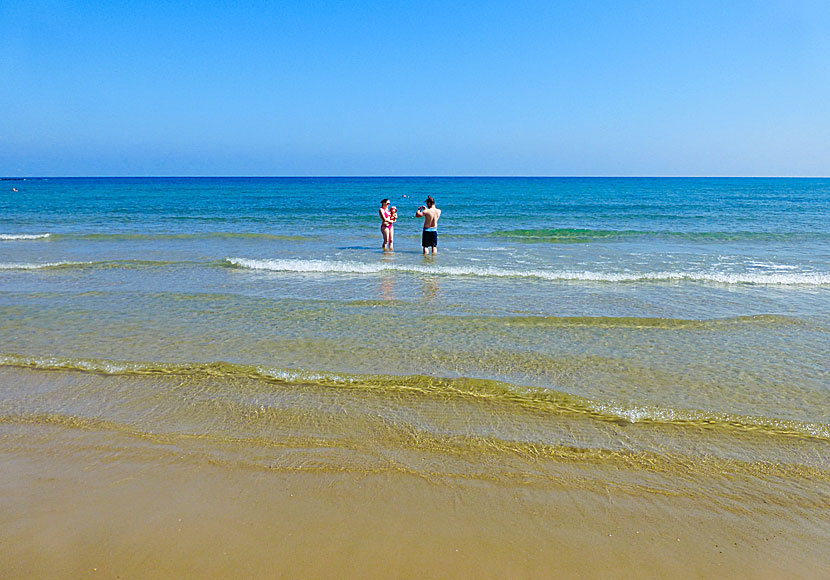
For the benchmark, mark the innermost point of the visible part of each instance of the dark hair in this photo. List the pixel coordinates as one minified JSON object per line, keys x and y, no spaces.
{"x":430,"y":201}
{"x":384,"y":200}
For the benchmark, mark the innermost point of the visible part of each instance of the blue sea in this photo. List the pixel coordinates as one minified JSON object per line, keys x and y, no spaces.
{"x":723,"y":284}
{"x":669,"y":333}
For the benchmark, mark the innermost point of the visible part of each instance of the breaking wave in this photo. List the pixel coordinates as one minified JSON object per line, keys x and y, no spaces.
{"x":180,"y":236}
{"x":353,"y":267}
{"x":543,"y":400}
{"x":11,"y":237}
{"x":41,"y":266}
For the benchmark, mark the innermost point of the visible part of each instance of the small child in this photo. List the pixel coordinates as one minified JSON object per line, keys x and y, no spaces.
{"x":393,"y":214}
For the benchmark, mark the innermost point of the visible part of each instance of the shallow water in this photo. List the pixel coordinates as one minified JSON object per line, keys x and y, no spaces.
{"x":639,"y":337}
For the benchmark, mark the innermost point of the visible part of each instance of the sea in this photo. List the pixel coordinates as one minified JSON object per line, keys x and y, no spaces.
{"x":653,"y":336}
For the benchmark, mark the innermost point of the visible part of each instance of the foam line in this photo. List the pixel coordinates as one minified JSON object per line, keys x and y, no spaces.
{"x":352,"y":267}
{"x":12,"y":237}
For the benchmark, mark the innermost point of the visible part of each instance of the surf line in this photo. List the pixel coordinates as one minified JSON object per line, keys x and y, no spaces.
{"x":352,"y":267}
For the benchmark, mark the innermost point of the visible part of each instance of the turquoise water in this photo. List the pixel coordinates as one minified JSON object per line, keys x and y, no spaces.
{"x":660,"y":303}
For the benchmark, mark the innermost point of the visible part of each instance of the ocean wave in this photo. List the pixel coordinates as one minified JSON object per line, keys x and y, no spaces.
{"x":115,"y":237}
{"x":352,"y":267}
{"x":41,"y":266}
{"x":103,"y":265}
{"x":578,"y":235}
{"x":11,"y":237}
{"x":772,"y":266}
{"x":565,"y":235}
{"x":532,"y":398}
{"x":125,"y":264}
{"x":171,"y":236}
{"x":632,"y":321}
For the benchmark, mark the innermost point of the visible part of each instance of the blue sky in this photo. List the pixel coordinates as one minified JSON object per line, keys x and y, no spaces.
{"x":426,"y":88}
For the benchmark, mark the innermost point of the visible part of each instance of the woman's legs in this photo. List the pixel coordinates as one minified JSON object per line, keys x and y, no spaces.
{"x":384,"y":231}
{"x":390,"y":232}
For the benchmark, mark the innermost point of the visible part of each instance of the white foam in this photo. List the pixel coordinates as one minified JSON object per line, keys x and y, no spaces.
{"x":25,"y":266}
{"x":51,"y":362}
{"x":23,"y":236}
{"x":299,"y":376}
{"x":668,"y":415}
{"x":770,"y":266}
{"x":352,"y":267}
{"x":638,"y":414}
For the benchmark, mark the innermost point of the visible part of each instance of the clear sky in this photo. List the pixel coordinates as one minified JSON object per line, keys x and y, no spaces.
{"x":415,"y":88}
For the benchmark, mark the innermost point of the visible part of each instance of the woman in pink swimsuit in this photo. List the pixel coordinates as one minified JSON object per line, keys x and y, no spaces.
{"x":387,"y":225}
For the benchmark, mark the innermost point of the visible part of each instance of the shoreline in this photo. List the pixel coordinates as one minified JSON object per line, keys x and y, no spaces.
{"x":73,"y":504}
{"x":598,"y":379}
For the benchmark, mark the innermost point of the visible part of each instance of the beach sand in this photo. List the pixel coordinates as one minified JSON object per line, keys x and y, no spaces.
{"x":87,"y":504}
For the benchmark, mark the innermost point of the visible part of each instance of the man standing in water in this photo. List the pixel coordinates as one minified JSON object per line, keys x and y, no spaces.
{"x":430,"y":213}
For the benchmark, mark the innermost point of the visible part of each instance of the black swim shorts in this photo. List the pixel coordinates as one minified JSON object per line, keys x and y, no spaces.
{"x":429,"y":239}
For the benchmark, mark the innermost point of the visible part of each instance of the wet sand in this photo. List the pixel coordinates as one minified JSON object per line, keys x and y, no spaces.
{"x":76,"y":505}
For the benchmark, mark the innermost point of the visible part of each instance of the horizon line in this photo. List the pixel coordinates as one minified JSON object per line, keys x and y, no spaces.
{"x":420,"y":176}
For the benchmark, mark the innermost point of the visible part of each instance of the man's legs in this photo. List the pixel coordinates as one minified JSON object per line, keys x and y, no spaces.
{"x":429,"y":239}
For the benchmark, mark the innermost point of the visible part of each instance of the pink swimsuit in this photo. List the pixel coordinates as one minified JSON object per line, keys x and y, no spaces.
{"x":388,"y":216}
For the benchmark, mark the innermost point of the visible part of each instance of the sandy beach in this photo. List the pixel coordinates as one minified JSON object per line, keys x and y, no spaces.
{"x":71,"y":510}
{"x":356,"y":498}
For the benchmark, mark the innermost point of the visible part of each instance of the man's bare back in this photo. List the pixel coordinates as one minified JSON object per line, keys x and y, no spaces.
{"x":431,"y":216}
{"x":429,"y":239}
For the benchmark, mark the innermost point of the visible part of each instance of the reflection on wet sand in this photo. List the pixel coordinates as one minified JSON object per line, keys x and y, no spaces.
{"x":387,"y":288}
{"x":430,"y":287}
